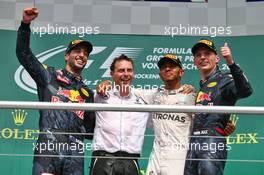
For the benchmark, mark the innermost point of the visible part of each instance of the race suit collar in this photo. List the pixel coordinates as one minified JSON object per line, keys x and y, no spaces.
{"x":211,"y":76}
{"x":170,"y":92}
{"x":71,"y":76}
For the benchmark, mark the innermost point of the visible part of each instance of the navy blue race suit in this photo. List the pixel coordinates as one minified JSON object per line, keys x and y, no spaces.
{"x":57,"y":86}
{"x":219,"y":89}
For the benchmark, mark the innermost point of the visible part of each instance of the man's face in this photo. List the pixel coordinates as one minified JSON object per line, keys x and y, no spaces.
{"x":205,"y":59}
{"x":170,"y":72}
{"x":123,"y":73}
{"x":77,"y":58}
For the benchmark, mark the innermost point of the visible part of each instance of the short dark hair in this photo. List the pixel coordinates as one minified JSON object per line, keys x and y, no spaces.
{"x":121,"y":58}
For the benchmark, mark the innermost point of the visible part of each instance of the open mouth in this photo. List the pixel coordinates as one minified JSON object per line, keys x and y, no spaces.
{"x":125,"y":80}
{"x":203,"y":64}
{"x":80,"y":61}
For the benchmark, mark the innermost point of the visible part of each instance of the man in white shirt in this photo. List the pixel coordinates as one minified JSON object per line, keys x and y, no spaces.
{"x":118,"y":136}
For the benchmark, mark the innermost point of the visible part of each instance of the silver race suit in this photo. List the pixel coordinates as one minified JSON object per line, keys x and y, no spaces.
{"x":171,"y":132}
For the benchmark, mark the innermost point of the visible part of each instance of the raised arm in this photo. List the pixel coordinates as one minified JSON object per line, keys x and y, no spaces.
{"x":242,"y":86}
{"x":23,"y":51}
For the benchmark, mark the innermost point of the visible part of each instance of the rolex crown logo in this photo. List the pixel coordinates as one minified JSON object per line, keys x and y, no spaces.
{"x":234,"y":118}
{"x":19,"y":116}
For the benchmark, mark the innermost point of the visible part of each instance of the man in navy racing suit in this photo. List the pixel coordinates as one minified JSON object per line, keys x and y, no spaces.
{"x":218,"y":89}
{"x":63,"y":85}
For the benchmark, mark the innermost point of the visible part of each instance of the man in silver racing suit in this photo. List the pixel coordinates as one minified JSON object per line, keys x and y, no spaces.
{"x":171,"y":129}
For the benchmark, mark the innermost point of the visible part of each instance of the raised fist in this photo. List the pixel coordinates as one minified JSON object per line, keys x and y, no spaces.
{"x":29,"y":14}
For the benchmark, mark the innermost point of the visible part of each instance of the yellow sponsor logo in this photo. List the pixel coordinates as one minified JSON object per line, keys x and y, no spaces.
{"x":212,"y":84}
{"x":18,"y":134}
{"x":206,"y":42}
{"x":74,"y":96}
{"x":241,"y":138}
{"x":45,"y":66}
{"x":19,"y":117}
{"x":76,"y":42}
{"x":173,"y":57}
{"x":85,"y":92}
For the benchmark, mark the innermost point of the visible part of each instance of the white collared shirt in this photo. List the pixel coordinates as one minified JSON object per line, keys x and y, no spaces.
{"x":119,"y":131}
